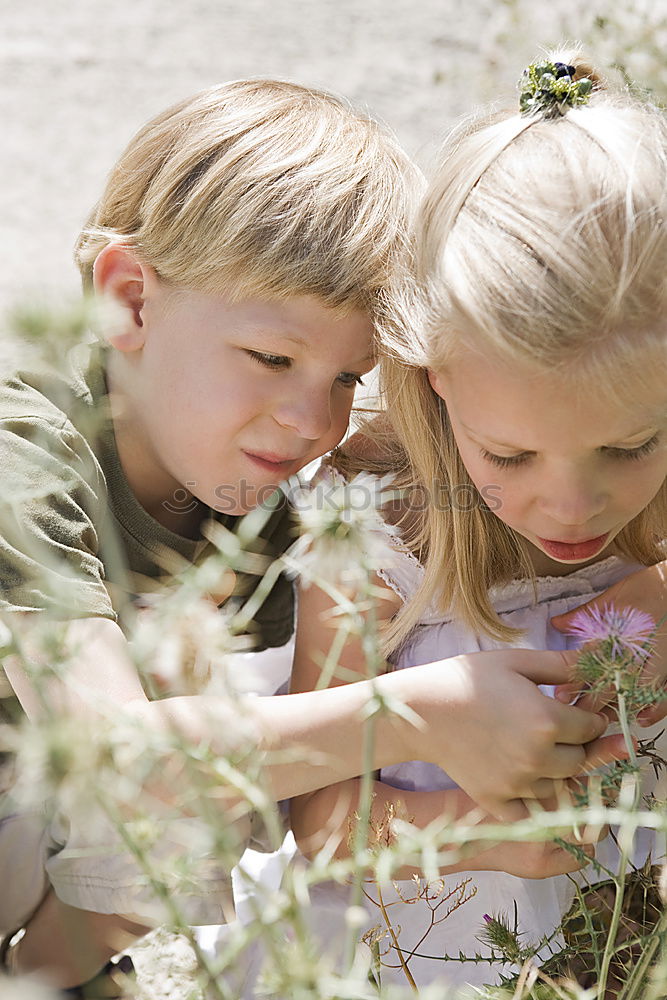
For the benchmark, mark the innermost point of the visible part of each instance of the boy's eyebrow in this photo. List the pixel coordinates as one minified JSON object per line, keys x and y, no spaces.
{"x":299,"y":341}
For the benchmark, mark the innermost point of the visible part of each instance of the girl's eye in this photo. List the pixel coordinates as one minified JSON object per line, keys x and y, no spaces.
{"x":506,"y":461}
{"x":627,"y":454}
{"x":274,"y":361}
{"x":632,"y":454}
{"x":349,"y":379}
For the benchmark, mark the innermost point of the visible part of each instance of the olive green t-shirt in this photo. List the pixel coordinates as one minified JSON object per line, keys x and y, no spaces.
{"x":74,"y":540}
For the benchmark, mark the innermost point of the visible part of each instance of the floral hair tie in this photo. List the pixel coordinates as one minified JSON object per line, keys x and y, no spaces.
{"x":549,"y":89}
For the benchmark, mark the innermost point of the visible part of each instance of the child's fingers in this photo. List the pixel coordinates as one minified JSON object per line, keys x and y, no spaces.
{"x":546,"y":791}
{"x":509,"y":810}
{"x":562,"y":622}
{"x":546,"y":666}
{"x":564,"y":761}
{"x":654,"y":713}
{"x":567,"y":761}
{"x":575,"y":726}
{"x":555,"y":795}
{"x":568,"y":694}
{"x":549,"y":859}
{"x":645,"y":589}
{"x":604,"y":750}
{"x":571,"y":694}
{"x":572,"y":861}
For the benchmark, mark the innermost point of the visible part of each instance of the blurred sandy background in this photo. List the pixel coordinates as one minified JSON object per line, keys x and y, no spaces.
{"x":78,"y":78}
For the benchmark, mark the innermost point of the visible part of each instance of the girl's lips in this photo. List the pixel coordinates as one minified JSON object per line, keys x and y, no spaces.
{"x":566,"y":551}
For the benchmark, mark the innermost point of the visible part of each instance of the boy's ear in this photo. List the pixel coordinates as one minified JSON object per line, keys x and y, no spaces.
{"x":120,"y":277}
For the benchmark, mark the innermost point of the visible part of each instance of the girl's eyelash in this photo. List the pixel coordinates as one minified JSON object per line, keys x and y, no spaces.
{"x":506,"y":461}
{"x":635,"y":453}
{"x":629,"y":454}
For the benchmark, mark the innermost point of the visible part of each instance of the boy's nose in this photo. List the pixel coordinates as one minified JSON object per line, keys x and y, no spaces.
{"x":309,"y":414}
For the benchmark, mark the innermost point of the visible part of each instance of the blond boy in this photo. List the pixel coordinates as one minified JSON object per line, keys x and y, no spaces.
{"x":248,"y":236}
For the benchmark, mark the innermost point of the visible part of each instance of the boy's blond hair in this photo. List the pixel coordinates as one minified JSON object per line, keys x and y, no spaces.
{"x":542,"y":243}
{"x":261,"y":188}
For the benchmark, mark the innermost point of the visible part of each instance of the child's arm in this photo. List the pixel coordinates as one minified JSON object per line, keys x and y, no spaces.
{"x":98,"y":669}
{"x":102,"y":668}
{"x":647,"y":590}
{"x":489,"y":705}
{"x":328,"y":818}
{"x":472,"y":708}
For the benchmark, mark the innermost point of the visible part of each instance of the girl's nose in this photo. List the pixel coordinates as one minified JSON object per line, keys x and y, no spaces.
{"x":573,"y":500}
{"x":307,"y":413}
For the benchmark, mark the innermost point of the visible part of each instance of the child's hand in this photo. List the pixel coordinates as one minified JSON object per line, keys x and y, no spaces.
{"x":498,"y":736}
{"x":543,"y":859}
{"x":536,"y":859}
{"x":646,"y":590}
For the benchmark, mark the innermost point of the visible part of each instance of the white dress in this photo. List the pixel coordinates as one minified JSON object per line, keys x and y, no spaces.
{"x":539,"y":903}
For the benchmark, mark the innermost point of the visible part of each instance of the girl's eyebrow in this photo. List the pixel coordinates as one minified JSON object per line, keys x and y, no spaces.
{"x":496,"y":444}
{"x":640,"y":435}
{"x":646,"y":432}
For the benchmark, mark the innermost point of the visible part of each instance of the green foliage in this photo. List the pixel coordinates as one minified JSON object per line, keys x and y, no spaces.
{"x":549,"y":89}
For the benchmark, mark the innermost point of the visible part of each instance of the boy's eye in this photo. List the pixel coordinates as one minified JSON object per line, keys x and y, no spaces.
{"x":634,"y":453}
{"x":270,"y":360}
{"x":506,"y":461}
{"x":279,"y":361}
{"x":350,"y":379}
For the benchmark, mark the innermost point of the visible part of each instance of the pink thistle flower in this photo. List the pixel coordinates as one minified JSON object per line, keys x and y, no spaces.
{"x":629,"y":629}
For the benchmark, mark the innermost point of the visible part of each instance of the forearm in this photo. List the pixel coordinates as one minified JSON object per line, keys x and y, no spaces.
{"x":87,"y":671}
{"x":304,"y":741}
{"x":329,"y":818}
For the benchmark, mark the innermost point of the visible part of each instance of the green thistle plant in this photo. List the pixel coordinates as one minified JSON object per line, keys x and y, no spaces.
{"x":503,"y":938}
{"x":619,"y":643}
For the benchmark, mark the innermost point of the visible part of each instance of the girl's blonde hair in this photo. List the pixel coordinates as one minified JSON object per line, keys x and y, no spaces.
{"x":261,"y":188}
{"x":541,"y":242}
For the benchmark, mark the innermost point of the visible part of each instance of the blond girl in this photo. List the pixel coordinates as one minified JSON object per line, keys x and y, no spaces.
{"x":530,"y":407}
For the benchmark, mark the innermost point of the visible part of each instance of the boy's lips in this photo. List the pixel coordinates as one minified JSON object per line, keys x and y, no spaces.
{"x":566,"y":551}
{"x":272,"y":462}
